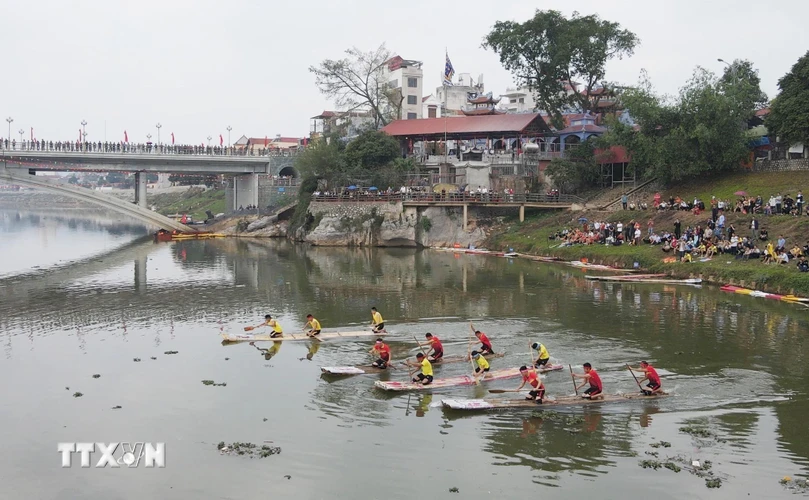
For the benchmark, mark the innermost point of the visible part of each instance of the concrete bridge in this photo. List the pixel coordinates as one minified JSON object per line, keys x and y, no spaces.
{"x":16,"y":176}
{"x":20,"y":165}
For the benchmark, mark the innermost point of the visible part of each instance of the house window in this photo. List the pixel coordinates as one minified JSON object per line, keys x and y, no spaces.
{"x":513,"y":101}
{"x":412,"y":116}
{"x":412,"y":82}
{"x":411,"y":99}
{"x":522,"y":100}
{"x":431,"y":112}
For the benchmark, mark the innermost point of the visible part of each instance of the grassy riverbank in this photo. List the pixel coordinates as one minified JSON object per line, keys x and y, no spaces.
{"x":532,"y":236}
{"x":194,"y":202}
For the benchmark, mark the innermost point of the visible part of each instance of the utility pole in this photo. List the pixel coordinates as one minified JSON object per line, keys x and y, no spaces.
{"x":229,"y":129}
{"x":159,"y":126}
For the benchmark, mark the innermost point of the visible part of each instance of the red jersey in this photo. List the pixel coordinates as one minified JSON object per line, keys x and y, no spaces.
{"x":485,"y":341}
{"x":384,"y":351}
{"x":652,"y":375}
{"x":531,"y":378}
{"x":435,"y":342}
{"x":595,"y":380}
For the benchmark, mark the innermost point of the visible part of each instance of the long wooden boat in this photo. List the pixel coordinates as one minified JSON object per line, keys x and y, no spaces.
{"x":360,"y":369}
{"x":498,"y":404}
{"x":596,"y":267}
{"x":764,"y":295}
{"x":622,"y":279}
{"x":168,"y":236}
{"x":238,"y":337}
{"x":446,"y":382}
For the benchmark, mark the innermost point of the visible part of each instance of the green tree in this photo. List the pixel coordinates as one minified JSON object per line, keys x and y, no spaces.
{"x":323,"y":159}
{"x":371,"y":149}
{"x":742,"y":82}
{"x":789,"y":113}
{"x":550,"y":51}
{"x":577,"y":170}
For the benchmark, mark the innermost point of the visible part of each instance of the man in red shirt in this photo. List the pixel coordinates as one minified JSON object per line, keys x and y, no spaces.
{"x":650,"y":374}
{"x":486,"y":344}
{"x":529,"y":375}
{"x":591,"y":376}
{"x":435,"y":344}
{"x":382,"y":350}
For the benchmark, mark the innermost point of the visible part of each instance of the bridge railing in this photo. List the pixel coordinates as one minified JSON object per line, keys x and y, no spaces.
{"x":141,"y":148}
{"x":503,"y":198}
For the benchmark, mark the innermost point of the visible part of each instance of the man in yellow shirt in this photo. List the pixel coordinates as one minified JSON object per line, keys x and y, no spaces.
{"x":426,"y":375}
{"x":313,"y":324}
{"x":483,"y":365}
{"x":543,"y":357}
{"x":276,"y":328}
{"x":377,"y":323}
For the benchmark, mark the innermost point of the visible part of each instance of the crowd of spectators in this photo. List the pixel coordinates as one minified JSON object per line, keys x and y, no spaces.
{"x":713,"y":236}
{"x":141,"y":148}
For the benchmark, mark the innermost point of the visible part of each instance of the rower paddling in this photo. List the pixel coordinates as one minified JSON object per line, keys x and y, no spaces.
{"x":590,"y":376}
{"x":531,"y":377}
{"x":377,"y":323}
{"x":313,"y":324}
{"x":543,"y":355}
{"x":436,"y":352}
{"x":277,"y":331}
{"x":482,"y":370}
{"x":650,"y":374}
{"x":382,"y":350}
{"x":486,"y":344}
{"x":425,"y":377}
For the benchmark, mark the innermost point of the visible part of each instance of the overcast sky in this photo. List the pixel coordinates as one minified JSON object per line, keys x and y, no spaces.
{"x":199,"y":66}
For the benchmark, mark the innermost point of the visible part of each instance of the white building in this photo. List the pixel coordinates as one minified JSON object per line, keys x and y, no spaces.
{"x":431,"y":107}
{"x":408,"y":78}
{"x":518,"y":100}
{"x":455,"y":97}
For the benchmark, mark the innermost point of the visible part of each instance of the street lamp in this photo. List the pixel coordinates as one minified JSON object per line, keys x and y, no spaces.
{"x":149,"y":137}
{"x":83,"y":130}
{"x":21,"y":132}
{"x":159,"y":126}
{"x":229,"y":129}
{"x":732,"y":69}
{"x":84,"y":134}
{"x":209,"y":140}
{"x":9,"y":120}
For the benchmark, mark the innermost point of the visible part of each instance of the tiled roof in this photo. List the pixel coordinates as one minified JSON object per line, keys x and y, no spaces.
{"x":470,"y":125}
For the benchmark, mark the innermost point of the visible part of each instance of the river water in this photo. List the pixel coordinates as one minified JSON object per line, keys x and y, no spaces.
{"x":102,"y":295}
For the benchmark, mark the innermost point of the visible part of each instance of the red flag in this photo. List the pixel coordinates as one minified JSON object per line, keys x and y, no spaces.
{"x":172,"y":137}
{"x":265,"y":141}
{"x":221,"y":141}
{"x":126,"y":137}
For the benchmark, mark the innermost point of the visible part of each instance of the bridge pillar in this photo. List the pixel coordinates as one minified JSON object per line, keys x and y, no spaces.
{"x":522,"y":213}
{"x":465,"y":215}
{"x":140,"y":273}
{"x":245,"y":190}
{"x":140,"y":189}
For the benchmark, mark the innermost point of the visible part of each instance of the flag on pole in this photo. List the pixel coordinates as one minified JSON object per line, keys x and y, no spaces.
{"x":221,"y":140}
{"x":126,"y":137}
{"x":172,"y":137}
{"x":449,"y":72}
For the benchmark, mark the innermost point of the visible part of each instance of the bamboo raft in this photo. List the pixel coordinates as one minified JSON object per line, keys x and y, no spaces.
{"x":238,"y":337}
{"x":361,"y":369}
{"x":446,"y":382}
{"x":497,"y":404}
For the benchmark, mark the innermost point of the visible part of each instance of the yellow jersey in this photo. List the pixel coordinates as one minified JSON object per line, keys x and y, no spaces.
{"x":482,"y":363}
{"x":543,"y":353}
{"x":314,"y":324}
{"x":276,"y":328}
{"x":426,"y":367}
{"x":377,"y":318}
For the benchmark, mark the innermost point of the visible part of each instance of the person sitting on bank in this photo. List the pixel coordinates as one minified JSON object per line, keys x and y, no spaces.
{"x":803,"y":264}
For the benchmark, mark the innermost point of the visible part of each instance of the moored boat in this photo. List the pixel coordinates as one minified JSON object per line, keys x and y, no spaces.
{"x":498,"y":404}
{"x":446,"y":382}
{"x":632,"y":279}
{"x":765,"y":295}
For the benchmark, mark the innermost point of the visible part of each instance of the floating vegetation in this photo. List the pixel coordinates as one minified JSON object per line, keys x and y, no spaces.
{"x":713,"y":482}
{"x":555,"y":416}
{"x":661,"y":444}
{"x":454,"y":489}
{"x":248,"y":449}
{"x":265,"y":419}
{"x":96,"y":375}
{"x":154,"y":357}
{"x":211,"y":382}
{"x":672,"y":466}
{"x":651,"y":453}
{"x":77,"y":394}
{"x":67,"y":388}
{"x":171,"y":352}
{"x":650,"y":464}
{"x":698,"y":431}
{"x":117,"y":407}
{"x":227,"y":359}
{"x":136,"y":360}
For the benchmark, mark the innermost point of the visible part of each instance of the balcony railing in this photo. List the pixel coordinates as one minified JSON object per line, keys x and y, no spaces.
{"x":465,"y":197}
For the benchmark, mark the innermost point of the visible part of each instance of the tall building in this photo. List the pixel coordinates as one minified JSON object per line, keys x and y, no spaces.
{"x":407,"y":78}
{"x":519,"y":100}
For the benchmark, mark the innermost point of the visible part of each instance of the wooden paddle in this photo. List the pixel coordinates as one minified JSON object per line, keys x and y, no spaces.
{"x":531,"y":353}
{"x":472,"y":361}
{"x":500,"y":391}
{"x":636,"y":378}
{"x":573,"y":379}
{"x":248,"y":328}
